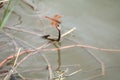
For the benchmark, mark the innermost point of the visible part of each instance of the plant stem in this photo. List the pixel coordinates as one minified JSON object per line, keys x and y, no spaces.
{"x":7,"y":13}
{"x":59,"y":34}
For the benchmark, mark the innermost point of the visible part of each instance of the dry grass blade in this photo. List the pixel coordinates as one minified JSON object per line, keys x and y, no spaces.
{"x":7,"y":77}
{"x":84,"y":46}
{"x":71,"y":30}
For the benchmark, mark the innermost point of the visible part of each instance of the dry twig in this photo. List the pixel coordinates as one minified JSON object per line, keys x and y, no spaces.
{"x":84,"y":46}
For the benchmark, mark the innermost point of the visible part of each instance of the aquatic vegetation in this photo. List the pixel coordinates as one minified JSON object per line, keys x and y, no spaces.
{"x":7,"y":12}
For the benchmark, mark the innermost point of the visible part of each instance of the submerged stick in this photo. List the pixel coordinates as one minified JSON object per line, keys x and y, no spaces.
{"x":49,"y":67}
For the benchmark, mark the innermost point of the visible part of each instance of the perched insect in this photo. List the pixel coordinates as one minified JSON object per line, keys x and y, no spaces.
{"x":55,"y":20}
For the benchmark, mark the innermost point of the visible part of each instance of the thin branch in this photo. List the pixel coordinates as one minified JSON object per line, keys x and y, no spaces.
{"x":17,"y":55}
{"x":54,"y":49}
{"x":13,"y":56}
{"x":84,"y":46}
{"x":71,"y":30}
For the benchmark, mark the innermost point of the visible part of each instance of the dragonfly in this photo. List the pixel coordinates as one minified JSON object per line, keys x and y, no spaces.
{"x":54,"y":20}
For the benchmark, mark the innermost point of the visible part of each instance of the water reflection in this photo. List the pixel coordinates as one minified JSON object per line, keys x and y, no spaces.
{"x":62,"y":72}
{"x":59,"y":55}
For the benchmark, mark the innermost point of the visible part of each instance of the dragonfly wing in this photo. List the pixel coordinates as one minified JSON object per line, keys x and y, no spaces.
{"x":57,"y":16}
{"x":52,"y":23}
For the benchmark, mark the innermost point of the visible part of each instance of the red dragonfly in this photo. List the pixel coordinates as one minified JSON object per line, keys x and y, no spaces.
{"x":55,"y":20}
